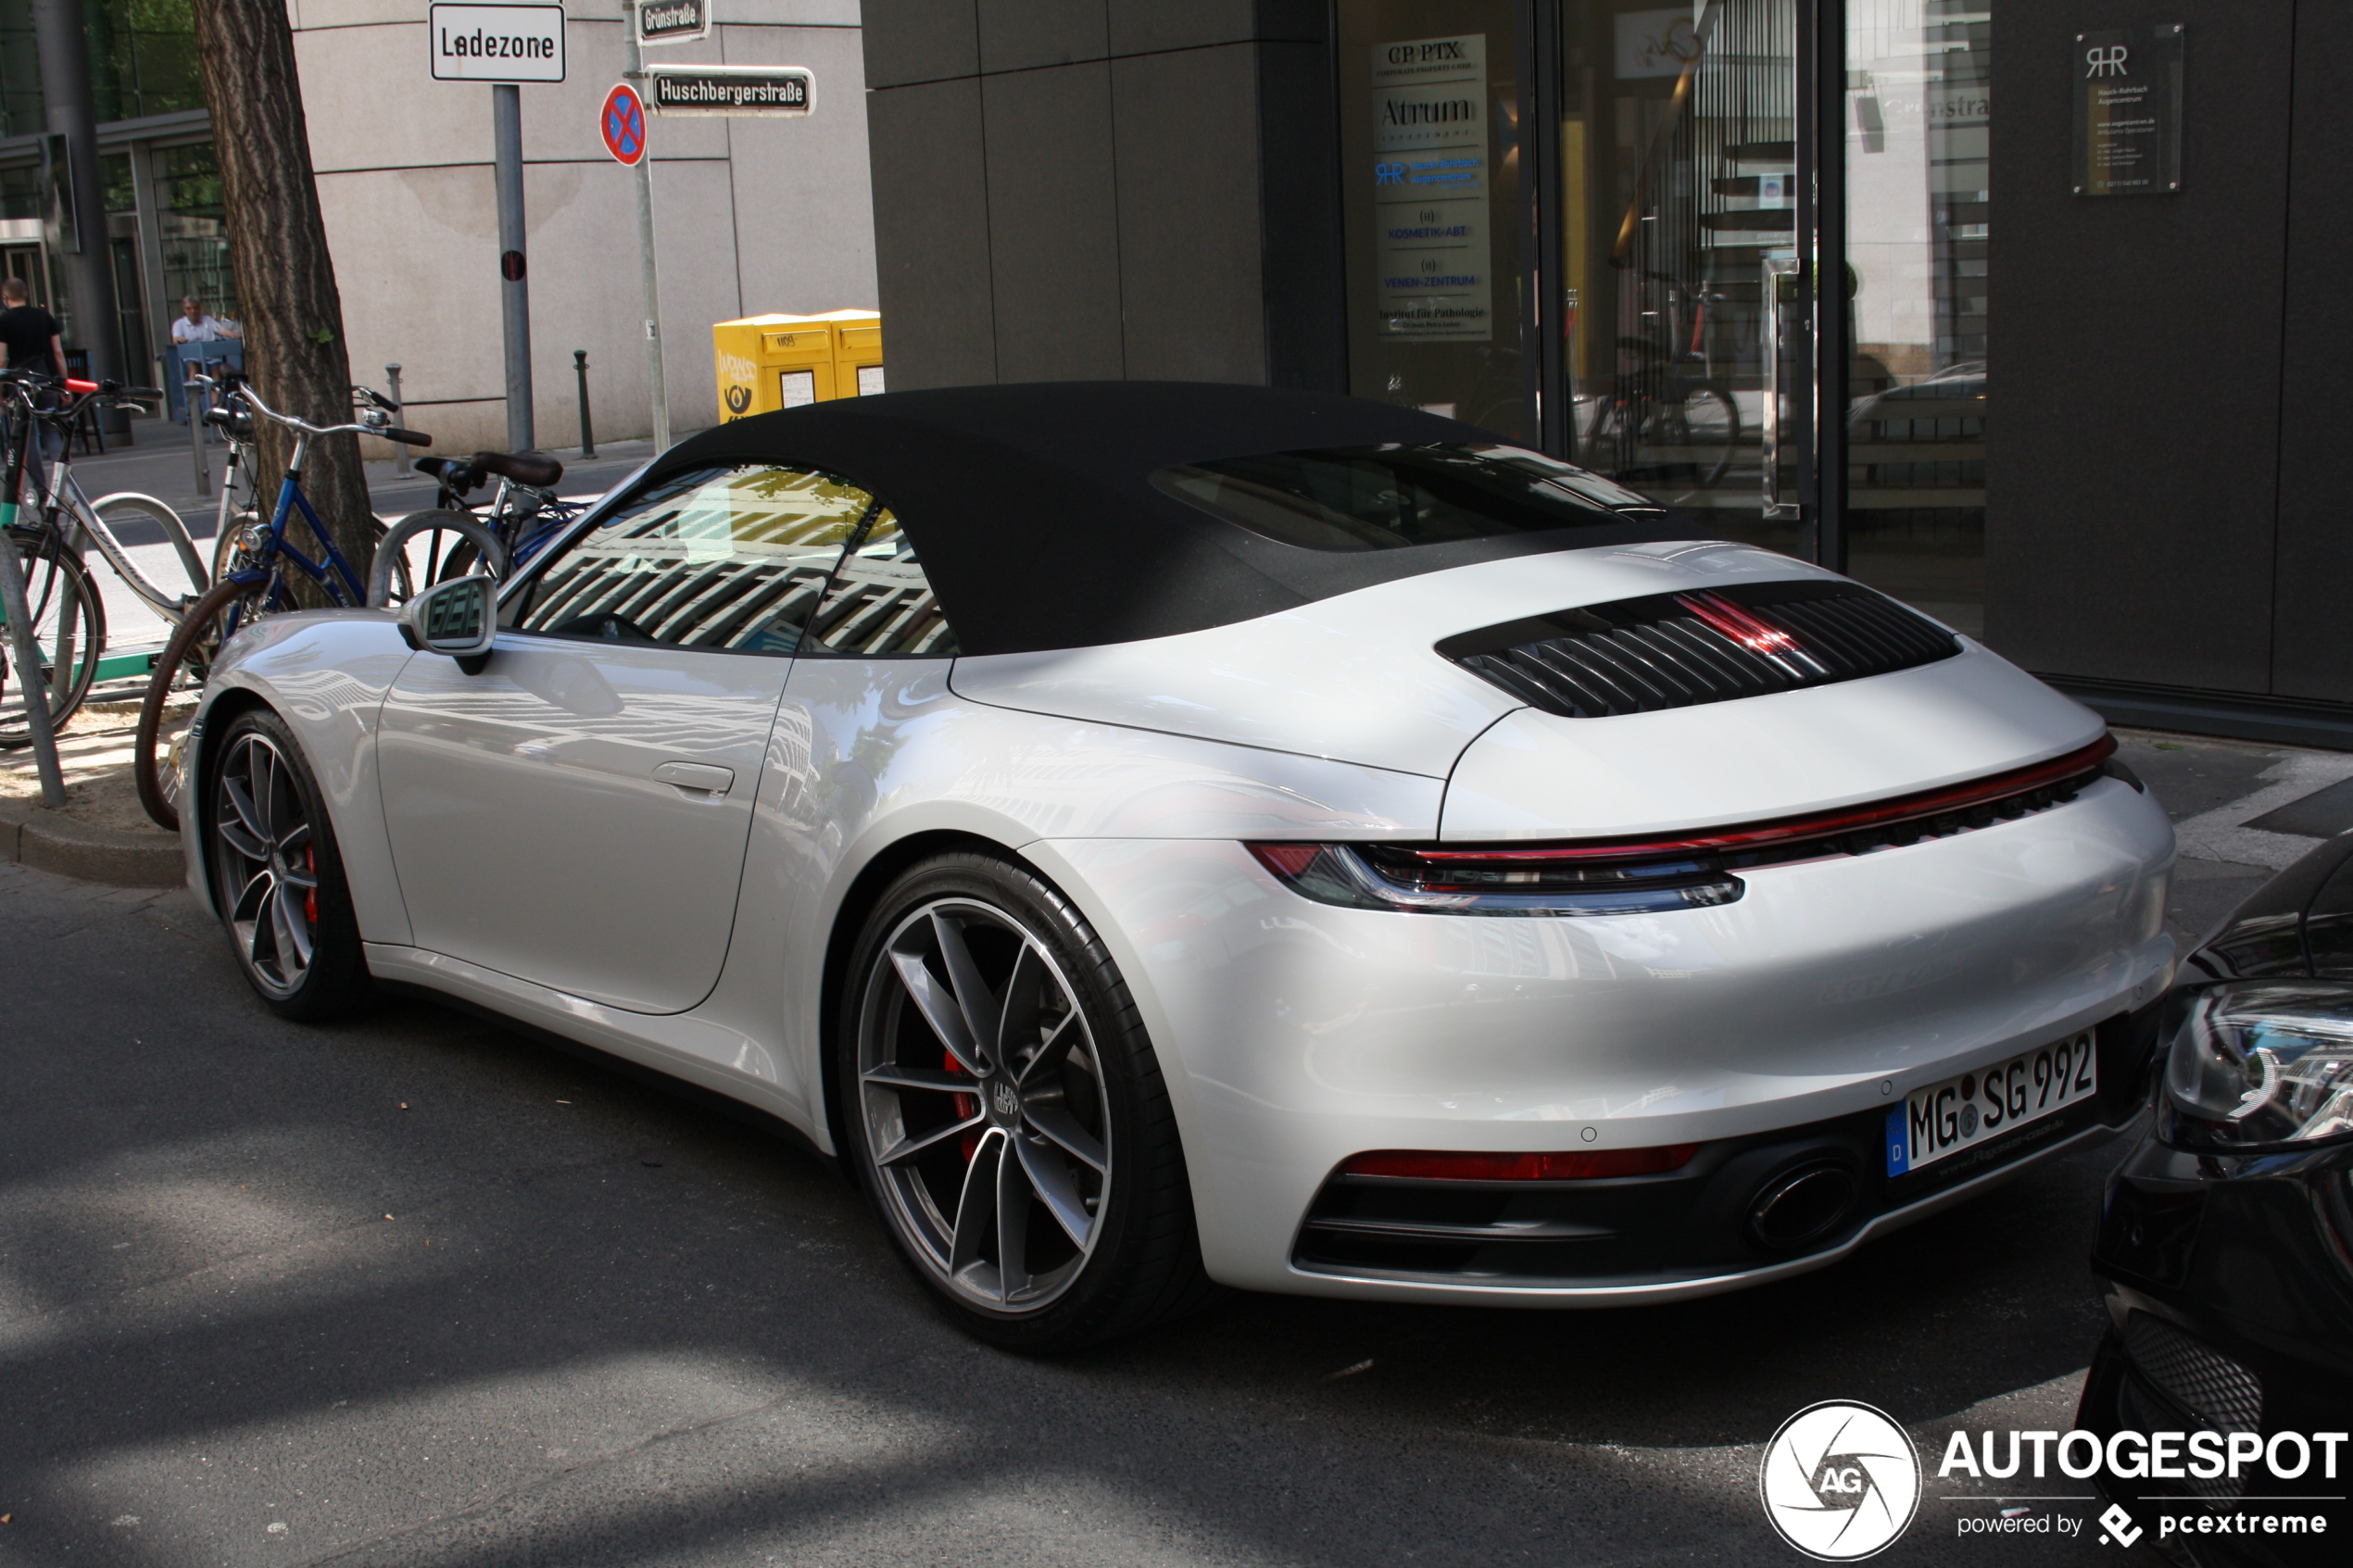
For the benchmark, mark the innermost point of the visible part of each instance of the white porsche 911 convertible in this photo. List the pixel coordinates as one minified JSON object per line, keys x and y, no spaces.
{"x":1162,"y":835}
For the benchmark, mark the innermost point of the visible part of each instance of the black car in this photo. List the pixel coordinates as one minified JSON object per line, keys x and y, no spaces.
{"x":2225,"y":1242}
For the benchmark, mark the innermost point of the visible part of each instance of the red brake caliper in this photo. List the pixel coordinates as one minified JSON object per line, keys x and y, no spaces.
{"x":967,"y":1106}
{"x":310,"y":899}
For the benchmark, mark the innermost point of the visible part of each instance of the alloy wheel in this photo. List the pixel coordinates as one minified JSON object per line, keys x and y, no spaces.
{"x":265,"y":862}
{"x":986,"y":1115}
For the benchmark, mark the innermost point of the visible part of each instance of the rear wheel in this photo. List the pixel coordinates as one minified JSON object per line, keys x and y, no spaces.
{"x":69,"y":627}
{"x":1007,"y":1115}
{"x":277,"y":880}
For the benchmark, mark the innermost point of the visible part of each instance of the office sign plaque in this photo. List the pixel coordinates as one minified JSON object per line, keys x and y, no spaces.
{"x":2128,"y":111}
{"x":749,"y":91}
{"x":1432,"y":252}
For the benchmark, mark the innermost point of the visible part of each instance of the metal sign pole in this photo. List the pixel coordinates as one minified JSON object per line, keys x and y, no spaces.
{"x":634,"y":70}
{"x":24,"y":645}
{"x":514,"y":292}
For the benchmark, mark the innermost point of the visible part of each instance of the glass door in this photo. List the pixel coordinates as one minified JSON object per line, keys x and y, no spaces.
{"x":1918,"y":196}
{"x":1678,"y":291}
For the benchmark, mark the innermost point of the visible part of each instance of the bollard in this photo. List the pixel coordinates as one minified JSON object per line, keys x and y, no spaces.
{"x":392,"y":380}
{"x":25,"y":648}
{"x":587,"y":430}
{"x":193,"y":391}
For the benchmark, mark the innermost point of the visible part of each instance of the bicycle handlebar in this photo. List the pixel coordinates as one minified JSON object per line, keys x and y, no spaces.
{"x":253,"y":401}
{"x":406,"y":437}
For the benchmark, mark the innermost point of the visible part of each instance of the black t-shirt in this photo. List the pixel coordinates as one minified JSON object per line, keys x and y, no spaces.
{"x":27,"y":329}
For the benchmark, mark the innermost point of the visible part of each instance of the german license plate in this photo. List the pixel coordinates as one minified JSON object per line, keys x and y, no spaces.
{"x":1959,"y":1113}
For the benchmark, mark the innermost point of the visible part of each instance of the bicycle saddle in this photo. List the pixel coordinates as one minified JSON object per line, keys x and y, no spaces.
{"x":534,"y":469}
{"x":460,"y":475}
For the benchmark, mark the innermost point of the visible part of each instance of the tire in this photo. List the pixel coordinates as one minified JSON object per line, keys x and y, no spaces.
{"x":159,"y":750}
{"x":1003,"y":1101}
{"x":1711,"y":428}
{"x":277,"y":878}
{"x":69,"y":624}
{"x":229,"y":554}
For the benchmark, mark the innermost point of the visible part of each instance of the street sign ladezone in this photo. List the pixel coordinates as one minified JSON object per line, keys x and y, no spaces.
{"x":622,"y":123}
{"x":495,"y":43}
{"x":750,"y":90}
{"x":673,"y":21}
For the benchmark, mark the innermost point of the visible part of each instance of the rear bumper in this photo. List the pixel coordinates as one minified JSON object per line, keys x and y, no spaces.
{"x":1673,"y":1283}
{"x":1295,"y":1033}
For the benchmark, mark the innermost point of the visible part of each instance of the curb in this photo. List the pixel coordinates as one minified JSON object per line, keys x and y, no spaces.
{"x":50,"y":841}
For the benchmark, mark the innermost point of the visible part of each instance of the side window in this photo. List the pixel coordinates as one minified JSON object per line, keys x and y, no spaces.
{"x":879,"y":603}
{"x":735,"y":558}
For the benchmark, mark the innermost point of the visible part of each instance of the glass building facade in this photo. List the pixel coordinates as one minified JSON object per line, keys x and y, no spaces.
{"x":164,"y":226}
{"x":1598,"y":226}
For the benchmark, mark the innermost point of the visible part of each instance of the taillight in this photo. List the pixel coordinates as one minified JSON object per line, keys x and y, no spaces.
{"x":1382,"y":876}
{"x":1609,"y":876}
{"x":1581,"y":1165}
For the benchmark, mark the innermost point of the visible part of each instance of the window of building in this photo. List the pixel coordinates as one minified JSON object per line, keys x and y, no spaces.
{"x":143,"y":61}
{"x":736,"y":558}
{"x":195,"y":229}
{"x":1429,"y":128}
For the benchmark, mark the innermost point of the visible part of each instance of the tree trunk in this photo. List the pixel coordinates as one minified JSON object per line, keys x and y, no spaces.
{"x":293,"y":313}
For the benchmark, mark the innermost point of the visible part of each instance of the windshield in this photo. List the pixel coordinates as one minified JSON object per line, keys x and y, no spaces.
{"x":1394,"y":497}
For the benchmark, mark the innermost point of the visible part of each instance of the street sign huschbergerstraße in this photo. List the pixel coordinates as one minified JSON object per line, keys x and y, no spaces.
{"x":729,"y":89}
{"x":673,"y":21}
{"x":496,"y":42}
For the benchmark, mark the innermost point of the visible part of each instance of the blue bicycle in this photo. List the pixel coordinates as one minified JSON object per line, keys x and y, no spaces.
{"x":257,"y":574}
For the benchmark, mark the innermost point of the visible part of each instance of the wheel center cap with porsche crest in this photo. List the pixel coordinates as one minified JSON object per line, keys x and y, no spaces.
{"x":1005,"y":1100}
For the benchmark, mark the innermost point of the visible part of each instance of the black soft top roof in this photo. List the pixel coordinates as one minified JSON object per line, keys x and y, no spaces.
{"x":1031,"y":509}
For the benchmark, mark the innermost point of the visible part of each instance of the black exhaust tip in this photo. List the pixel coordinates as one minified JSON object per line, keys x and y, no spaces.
{"x":1802,"y":1205}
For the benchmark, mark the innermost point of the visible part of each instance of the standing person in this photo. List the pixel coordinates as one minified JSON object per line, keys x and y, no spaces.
{"x":29,"y":335}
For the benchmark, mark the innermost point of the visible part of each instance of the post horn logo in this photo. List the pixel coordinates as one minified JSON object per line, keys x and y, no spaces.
{"x":738,"y":399}
{"x":1840,"y":1481}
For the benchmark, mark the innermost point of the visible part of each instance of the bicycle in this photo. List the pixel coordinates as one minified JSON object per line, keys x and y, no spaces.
{"x":259,"y":569}
{"x":524,"y":515}
{"x":55,"y":530}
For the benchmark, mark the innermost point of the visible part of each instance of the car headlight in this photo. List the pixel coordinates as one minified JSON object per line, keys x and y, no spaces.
{"x":2262,"y":1067}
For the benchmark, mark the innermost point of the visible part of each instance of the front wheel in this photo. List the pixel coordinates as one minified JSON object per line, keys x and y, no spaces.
{"x":277,"y":880}
{"x":159,"y":753}
{"x":69,"y":627}
{"x":1006,"y":1112}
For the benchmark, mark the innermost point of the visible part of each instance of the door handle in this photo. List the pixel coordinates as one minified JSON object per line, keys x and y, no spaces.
{"x":1781,"y":300}
{"x":701,"y":777}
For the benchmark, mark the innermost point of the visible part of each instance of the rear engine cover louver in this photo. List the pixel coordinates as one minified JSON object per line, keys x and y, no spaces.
{"x":1674,"y":651}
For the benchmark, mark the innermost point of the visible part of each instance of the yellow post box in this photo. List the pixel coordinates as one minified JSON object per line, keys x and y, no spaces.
{"x":858,"y":353}
{"x":770,"y":362}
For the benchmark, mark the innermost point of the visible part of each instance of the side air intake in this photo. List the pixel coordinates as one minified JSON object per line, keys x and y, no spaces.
{"x":1675,"y":650}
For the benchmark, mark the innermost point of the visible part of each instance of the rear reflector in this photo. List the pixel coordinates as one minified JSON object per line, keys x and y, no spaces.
{"x":1583,"y":1165}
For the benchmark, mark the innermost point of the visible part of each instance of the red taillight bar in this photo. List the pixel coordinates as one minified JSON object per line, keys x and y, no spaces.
{"x":1929,"y":803}
{"x":1581,"y":1165}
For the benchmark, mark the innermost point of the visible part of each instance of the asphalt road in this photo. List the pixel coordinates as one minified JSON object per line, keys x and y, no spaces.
{"x":419,"y":1291}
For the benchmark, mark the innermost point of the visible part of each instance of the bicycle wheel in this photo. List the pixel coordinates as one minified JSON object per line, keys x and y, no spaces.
{"x":69,"y":624}
{"x":158,"y":757}
{"x":1710,"y":428}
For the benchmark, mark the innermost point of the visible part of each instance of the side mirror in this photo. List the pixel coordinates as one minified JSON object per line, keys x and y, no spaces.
{"x":458,"y":618}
